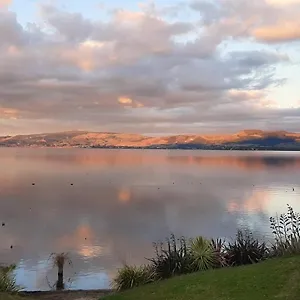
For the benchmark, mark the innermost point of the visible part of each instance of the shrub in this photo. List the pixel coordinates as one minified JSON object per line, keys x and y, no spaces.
{"x":172,"y":258}
{"x":286,"y":231}
{"x":203,"y":254}
{"x":7,"y":279}
{"x":220,"y":251}
{"x":245,"y":250}
{"x":131,"y":276}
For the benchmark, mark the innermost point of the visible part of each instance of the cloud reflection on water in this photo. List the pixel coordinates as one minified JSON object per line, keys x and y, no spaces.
{"x":122,"y":201}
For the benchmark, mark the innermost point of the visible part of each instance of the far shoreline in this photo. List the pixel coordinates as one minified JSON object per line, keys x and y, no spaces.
{"x":267,"y":149}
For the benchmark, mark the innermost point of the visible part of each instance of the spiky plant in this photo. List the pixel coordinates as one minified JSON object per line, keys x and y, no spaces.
{"x":286,"y":231}
{"x":245,"y":249}
{"x":129,"y":277}
{"x":7,"y":279}
{"x":204,"y":256}
{"x":172,"y":258}
{"x":219,"y":247}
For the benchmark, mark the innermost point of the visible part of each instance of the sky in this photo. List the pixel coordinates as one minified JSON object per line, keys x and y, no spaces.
{"x":152,"y":67}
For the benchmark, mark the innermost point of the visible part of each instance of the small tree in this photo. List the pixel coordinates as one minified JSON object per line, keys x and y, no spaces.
{"x":59,"y":261}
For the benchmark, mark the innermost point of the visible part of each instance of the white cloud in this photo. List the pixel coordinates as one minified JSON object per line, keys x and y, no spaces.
{"x":99,"y":73}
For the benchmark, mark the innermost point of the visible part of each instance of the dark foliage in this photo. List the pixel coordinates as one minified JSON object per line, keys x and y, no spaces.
{"x":286,"y":231}
{"x":219,"y":247}
{"x":245,"y":250}
{"x":172,"y":258}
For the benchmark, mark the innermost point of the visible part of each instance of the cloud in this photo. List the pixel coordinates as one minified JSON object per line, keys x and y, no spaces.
{"x":282,"y":2}
{"x":278,"y":33}
{"x":11,"y":32}
{"x":124,"y":100}
{"x":8,"y":113}
{"x":269,"y":20}
{"x":4,"y":3}
{"x":183,"y":74}
{"x":72,"y":26}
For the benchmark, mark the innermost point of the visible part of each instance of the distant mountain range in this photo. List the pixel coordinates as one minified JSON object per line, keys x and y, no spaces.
{"x":243,"y":140}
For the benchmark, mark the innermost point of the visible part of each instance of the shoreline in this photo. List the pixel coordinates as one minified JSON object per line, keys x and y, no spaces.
{"x":266,"y":149}
{"x":67,"y":294}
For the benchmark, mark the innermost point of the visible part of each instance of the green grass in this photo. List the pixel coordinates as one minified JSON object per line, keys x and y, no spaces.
{"x":273,"y":279}
{"x":5,"y":296}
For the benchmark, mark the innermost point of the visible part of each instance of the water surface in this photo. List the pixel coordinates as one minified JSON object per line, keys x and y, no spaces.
{"x":106,"y":207}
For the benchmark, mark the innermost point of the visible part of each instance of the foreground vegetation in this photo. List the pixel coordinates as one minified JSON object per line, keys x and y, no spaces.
{"x":7,"y":280}
{"x":276,"y":278}
{"x":181,"y":256}
{"x":8,"y":286}
{"x":218,"y":267}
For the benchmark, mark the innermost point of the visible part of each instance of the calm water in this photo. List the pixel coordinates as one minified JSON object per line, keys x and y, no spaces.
{"x":122,"y":201}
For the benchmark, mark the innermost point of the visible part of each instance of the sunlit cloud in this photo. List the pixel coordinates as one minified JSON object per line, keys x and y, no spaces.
{"x":125,"y":101}
{"x":5,"y":3}
{"x":125,"y":16}
{"x":287,"y":31}
{"x":8,"y":113}
{"x":93,"y":44}
{"x":282,"y":2}
{"x":246,"y":94}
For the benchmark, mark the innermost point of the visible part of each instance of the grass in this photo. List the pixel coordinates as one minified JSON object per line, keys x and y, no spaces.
{"x":5,"y":296}
{"x":276,"y":278}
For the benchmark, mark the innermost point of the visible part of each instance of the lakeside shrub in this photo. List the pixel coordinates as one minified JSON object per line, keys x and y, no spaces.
{"x":219,"y":247}
{"x":172,"y":258}
{"x":7,"y":280}
{"x":204,"y":256}
{"x":286,"y":231}
{"x":182,"y":256}
{"x":245,"y":249}
{"x":129,"y":277}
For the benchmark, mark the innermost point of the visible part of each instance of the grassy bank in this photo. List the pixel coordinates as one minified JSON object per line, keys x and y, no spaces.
{"x":5,"y":296}
{"x":273,"y":279}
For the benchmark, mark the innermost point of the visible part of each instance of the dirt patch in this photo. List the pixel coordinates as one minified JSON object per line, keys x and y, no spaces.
{"x":67,"y":295}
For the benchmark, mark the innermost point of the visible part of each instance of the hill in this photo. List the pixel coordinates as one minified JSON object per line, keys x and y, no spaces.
{"x":273,"y":279}
{"x":247,"y":139}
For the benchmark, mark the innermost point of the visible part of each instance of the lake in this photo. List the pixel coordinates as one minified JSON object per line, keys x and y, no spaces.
{"x":106,"y":207}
